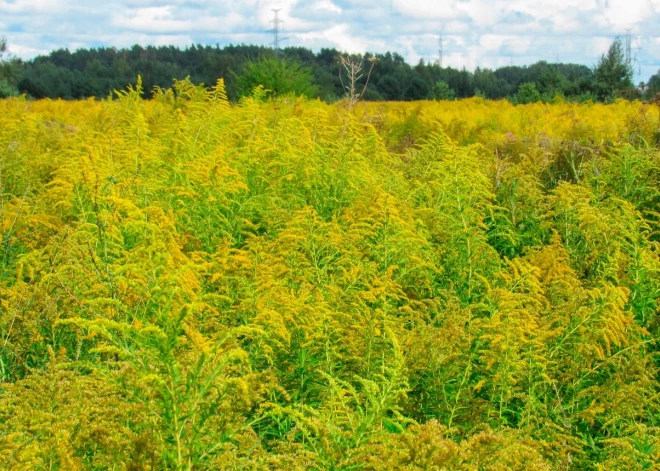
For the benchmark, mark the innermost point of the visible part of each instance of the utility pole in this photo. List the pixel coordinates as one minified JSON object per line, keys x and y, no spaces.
{"x":276,"y":21}
{"x":628,"y":47}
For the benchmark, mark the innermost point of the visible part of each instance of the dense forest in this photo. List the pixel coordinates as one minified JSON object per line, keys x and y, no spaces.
{"x":97,"y":72}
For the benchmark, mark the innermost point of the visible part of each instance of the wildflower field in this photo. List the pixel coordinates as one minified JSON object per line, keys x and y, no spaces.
{"x":187,"y":284}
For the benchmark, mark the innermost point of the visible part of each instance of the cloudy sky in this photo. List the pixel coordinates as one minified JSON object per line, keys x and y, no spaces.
{"x":486,"y":33}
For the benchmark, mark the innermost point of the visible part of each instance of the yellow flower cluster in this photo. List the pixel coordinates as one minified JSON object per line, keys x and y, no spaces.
{"x":187,"y":284}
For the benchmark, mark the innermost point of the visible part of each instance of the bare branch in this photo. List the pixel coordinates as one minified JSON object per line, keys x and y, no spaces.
{"x":353,"y":69}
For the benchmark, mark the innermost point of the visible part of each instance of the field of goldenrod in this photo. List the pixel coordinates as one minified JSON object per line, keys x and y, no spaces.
{"x":187,"y":284}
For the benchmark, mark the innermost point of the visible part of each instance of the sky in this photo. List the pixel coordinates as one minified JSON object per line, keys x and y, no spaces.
{"x":475,"y":33}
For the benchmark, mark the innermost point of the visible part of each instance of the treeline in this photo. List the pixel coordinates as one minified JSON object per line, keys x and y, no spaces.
{"x":97,"y":72}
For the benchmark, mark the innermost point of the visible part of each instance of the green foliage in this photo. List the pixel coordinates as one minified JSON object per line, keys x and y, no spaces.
{"x":7,"y":89}
{"x":97,"y":72}
{"x":9,"y":72}
{"x":653,"y":86}
{"x":613,"y":74}
{"x":70,"y":419}
{"x":278,"y":76}
{"x":441,"y":91}
{"x":527,"y":93}
{"x":187,"y":284}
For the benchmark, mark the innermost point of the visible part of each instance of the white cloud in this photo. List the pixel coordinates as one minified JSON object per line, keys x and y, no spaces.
{"x":25,"y":51}
{"x":30,"y":6}
{"x":336,"y":36}
{"x":625,"y":13}
{"x":151,"y":19}
{"x":328,"y":6}
{"x":483,"y":12}
{"x":427,"y":9}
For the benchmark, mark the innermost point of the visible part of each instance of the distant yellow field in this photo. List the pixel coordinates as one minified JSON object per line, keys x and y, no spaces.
{"x":466,"y":285}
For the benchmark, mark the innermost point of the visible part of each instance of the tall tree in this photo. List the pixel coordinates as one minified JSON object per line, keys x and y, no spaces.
{"x":613,"y":74}
{"x":8,"y":71}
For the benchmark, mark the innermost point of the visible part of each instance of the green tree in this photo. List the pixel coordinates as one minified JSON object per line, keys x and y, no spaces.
{"x":653,"y":86}
{"x":8,"y":72}
{"x":418,"y":89}
{"x":442,"y":91}
{"x":552,"y":83}
{"x":278,"y":76}
{"x":527,"y":93}
{"x":613,"y":74}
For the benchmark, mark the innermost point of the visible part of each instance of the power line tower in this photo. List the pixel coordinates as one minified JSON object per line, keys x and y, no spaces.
{"x":440,"y":50}
{"x":636,"y":58}
{"x":628,"y":47}
{"x":276,"y":22}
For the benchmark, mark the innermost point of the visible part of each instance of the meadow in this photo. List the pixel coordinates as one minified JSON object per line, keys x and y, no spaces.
{"x":187,"y":284}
